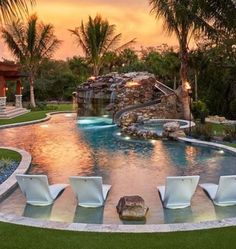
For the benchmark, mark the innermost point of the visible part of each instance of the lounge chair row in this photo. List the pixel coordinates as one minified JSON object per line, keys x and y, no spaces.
{"x":91,"y":192}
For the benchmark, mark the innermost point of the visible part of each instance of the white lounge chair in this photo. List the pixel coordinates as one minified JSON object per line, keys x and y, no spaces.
{"x":89,"y":191}
{"x":178,"y":191}
{"x":223,"y":194}
{"x":37,"y":190}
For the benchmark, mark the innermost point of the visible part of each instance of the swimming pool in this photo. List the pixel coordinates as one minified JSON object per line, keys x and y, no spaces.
{"x":60,"y":148}
{"x":156,"y":125}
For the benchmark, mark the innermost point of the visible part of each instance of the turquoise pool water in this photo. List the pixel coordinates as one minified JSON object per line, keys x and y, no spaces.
{"x":61,"y":148}
{"x":157,"y":126}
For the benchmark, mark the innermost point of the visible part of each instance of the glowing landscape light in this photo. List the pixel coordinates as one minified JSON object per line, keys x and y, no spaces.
{"x":131,"y":84}
{"x":127,"y":138}
{"x":92,"y":78}
{"x":68,"y":115}
{"x":188,"y":86}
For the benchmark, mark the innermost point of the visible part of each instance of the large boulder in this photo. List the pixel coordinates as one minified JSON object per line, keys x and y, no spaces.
{"x":174,"y":135}
{"x":128,"y":119}
{"x":171,"y":126}
{"x":132,"y":208}
{"x":172,"y":130}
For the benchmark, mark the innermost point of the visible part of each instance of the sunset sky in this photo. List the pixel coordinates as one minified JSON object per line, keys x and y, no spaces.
{"x":131,"y":17}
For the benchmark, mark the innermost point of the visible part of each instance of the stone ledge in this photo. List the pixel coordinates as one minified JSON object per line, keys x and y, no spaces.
{"x":48,"y":117}
{"x":113,"y":228}
{"x":8,"y":186}
{"x":208,"y":144}
{"x":140,"y":132}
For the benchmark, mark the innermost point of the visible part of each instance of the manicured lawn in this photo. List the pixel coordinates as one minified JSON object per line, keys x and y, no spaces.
{"x":34,"y":115}
{"x":20,"y":237}
{"x":217,"y":128}
{"x":232,"y":145}
{"x":9,"y":154}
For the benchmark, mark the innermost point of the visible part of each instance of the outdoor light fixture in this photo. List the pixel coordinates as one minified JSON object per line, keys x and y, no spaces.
{"x":118,"y":134}
{"x":127,"y":138}
{"x":188,"y":86}
{"x":22,"y":88}
{"x":92,"y":78}
{"x":131,"y":84}
{"x":6,"y":88}
{"x":189,"y":89}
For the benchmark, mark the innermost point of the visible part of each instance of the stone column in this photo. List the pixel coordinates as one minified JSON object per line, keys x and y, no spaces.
{"x":18,"y":101}
{"x":3,"y":98}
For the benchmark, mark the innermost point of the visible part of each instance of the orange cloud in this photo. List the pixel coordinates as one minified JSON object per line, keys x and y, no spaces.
{"x":132,"y":19}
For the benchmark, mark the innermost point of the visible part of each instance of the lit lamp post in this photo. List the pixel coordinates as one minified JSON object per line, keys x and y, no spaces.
{"x":189,"y":89}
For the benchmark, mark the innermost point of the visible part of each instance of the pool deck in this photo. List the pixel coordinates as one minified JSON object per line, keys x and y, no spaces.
{"x":10,"y":183}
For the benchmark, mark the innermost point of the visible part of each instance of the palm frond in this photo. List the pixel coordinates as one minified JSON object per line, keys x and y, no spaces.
{"x":97,"y":37}
{"x":126,"y":45}
{"x":166,"y":10}
{"x":32,"y":42}
{"x":10,"y":9}
{"x":12,"y":44}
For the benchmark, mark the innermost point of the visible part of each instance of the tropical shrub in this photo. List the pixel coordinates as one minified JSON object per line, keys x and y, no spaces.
{"x":200,"y":110}
{"x":203,"y":131}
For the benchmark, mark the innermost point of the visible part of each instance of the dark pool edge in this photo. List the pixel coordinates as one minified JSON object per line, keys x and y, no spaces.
{"x":48,"y":117}
{"x":10,"y":183}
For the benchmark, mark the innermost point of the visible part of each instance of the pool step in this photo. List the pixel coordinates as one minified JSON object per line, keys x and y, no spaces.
{"x":12,"y":112}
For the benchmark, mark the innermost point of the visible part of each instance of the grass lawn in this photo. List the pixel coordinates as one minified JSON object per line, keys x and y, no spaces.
{"x":21,"y":237}
{"x":34,"y":115}
{"x":9,"y":154}
{"x":217,"y":128}
{"x":231,"y":144}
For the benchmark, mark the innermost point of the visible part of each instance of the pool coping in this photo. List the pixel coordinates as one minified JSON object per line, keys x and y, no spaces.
{"x":10,"y":183}
{"x":185,"y":126}
{"x":115,"y":228}
{"x":48,"y":117}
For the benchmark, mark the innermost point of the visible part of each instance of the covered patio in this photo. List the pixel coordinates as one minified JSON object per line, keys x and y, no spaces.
{"x":10,"y":72}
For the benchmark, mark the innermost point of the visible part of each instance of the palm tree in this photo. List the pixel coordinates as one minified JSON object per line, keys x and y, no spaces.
{"x":186,"y":17}
{"x":13,"y":8}
{"x":30,"y":43}
{"x":96,"y":38}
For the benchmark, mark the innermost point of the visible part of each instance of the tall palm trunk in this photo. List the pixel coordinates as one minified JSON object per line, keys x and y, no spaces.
{"x":175,"y":83}
{"x":184,"y":79}
{"x":32,"y":98}
{"x":196,"y":85}
{"x":96,"y":70}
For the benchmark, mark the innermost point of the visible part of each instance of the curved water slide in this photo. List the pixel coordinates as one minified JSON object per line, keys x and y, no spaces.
{"x":163,"y":88}
{"x":158,"y":85}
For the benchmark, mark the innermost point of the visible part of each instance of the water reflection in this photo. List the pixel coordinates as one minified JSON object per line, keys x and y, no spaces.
{"x":43,"y":213}
{"x":178,"y":215}
{"x":62,"y":149}
{"x":89,"y":215}
{"x":225,"y":212}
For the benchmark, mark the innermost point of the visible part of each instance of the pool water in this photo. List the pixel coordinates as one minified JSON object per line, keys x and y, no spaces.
{"x":95,"y":123}
{"x":156,"y":126}
{"x":62,"y":147}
